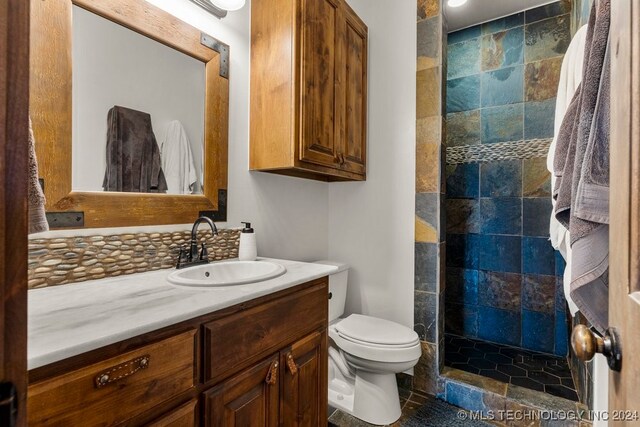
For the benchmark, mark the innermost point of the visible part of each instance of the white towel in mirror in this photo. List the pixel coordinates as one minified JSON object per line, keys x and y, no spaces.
{"x":177,"y":160}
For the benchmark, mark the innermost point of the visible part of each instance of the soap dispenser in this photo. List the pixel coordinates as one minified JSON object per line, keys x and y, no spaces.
{"x":248,"y":250}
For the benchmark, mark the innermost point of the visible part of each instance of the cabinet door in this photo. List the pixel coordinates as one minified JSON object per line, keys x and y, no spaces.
{"x":246,"y":400}
{"x":353,"y":94}
{"x":304,"y":382}
{"x":183,"y":416}
{"x":319,"y":25}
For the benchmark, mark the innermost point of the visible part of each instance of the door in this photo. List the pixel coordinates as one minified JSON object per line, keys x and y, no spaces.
{"x":352,"y":132}
{"x":304,"y":382}
{"x":250,"y":399}
{"x":318,"y":58}
{"x":624,"y":273}
{"x":14,"y":111}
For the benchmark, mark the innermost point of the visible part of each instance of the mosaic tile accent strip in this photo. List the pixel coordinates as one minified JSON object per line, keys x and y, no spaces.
{"x":499,"y":151}
{"x":60,"y":261}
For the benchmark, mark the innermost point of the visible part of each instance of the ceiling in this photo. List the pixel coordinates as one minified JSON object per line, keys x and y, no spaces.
{"x":479,"y":11}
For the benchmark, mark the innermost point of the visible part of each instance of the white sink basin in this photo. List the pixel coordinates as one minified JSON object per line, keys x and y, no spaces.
{"x":226,"y":273}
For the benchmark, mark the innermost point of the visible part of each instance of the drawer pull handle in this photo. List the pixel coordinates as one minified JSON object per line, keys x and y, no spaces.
{"x":291,"y":364}
{"x":121,"y":371}
{"x":272,"y":375}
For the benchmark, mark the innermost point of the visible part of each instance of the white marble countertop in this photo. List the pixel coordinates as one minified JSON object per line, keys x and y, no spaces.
{"x":68,"y":320}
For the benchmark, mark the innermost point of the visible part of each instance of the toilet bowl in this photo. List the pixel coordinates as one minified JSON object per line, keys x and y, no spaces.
{"x":365,"y":354}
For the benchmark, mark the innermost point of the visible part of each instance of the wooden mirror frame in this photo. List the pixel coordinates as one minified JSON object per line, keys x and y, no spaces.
{"x":51,"y":113}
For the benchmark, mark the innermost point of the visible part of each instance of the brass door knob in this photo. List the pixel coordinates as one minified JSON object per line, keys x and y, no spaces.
{"x":586,"y":344}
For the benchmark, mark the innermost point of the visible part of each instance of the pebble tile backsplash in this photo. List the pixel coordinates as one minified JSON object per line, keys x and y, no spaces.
{"x":58,"y":261}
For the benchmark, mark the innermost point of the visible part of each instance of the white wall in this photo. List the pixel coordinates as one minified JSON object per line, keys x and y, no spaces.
{"x":371,"y":224}
{"x":113,"y":65}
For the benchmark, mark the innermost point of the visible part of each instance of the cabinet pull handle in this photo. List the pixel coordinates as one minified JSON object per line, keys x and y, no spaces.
{"x":121,"y":371}
{"x":291,"y":364}
{"x":272,"y":375}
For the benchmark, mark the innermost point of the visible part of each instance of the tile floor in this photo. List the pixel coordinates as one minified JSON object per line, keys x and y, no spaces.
{"x":535,"y":371}
{"x":417,"y":410}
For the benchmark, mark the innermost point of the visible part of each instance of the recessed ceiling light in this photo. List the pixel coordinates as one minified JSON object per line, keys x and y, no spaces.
{"x":456,"y":3}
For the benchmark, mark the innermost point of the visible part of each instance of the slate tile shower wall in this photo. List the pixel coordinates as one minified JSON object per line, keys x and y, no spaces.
{"x":429,"y":184}
{"x":503,"y":279}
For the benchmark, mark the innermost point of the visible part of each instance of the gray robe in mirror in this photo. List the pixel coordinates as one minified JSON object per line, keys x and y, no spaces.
{"x":133,"y":155}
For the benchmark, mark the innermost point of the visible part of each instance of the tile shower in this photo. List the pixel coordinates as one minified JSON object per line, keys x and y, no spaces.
{"x":503,"y":278}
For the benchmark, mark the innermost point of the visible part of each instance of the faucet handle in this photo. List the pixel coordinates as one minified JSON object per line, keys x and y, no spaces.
{"x":204,"y":254}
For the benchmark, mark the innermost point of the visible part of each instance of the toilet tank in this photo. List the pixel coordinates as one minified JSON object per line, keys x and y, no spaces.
{"x":337,"y":289}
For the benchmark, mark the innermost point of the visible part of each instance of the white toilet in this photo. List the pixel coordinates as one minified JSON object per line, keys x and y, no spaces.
{"x":365,"y":353}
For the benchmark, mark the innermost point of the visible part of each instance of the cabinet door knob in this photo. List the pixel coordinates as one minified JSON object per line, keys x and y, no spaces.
{"x":586,"y":344}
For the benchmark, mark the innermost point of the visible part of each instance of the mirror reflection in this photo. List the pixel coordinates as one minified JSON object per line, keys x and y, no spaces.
{"x":138,"y":111}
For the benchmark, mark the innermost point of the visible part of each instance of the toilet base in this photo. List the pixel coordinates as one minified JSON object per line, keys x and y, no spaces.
{"x":371,"y":397}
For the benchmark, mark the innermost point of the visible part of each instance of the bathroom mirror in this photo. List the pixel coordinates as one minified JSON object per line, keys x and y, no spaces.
{"x":114,"y":67}
{"x":129,"y":107}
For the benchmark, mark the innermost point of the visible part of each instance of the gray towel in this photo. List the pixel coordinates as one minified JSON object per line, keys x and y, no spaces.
{"x":133,"y":155}
{"x":582,"y":161}
{"x":37,"y":217}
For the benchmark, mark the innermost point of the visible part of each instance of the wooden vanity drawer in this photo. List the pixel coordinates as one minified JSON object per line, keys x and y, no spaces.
{"x":116,"y":389}
{"x":235,"y":341}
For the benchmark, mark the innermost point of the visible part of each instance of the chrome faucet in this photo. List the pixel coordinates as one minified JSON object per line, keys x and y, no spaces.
{"x":192,"y":257}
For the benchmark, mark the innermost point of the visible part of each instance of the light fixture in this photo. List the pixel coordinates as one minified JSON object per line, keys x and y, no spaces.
{"x":456,"y":3}
{"x":219,"y":8}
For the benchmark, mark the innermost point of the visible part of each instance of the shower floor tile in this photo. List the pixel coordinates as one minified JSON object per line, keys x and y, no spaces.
{"x":536,"y":371}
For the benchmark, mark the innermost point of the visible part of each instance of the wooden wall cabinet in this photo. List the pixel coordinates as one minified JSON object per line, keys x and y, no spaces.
{"x":259,"y":363}
{"x":308,"y":89}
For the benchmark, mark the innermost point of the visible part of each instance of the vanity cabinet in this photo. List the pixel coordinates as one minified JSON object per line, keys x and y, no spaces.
{"x":259,"y":363}
{"x":308,"y":89}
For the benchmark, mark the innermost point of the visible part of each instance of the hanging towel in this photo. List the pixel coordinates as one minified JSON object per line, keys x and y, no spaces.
{"x":570,"y":78}
{"x":37,"y":217}
{"x":581,"y":164}
{"x":133,"y":155}
{"x":177,"y":160}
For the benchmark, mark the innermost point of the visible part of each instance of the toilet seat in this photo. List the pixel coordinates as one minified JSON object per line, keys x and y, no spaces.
{"x":375,"y":339}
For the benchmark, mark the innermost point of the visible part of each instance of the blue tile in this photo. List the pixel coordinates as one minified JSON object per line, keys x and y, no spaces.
{"x":547,"y":38}
{"x":561,"y":302}
{"x":461,"y":319}
{"x":538,"y":331}
{"x":463,"y":250}
{"x":500,"y":326}
{"x":539,"y":118}
{"x":535,"y":216}
{"x":427,"y":209}
{"x":501,"y":179}
{"x":463,"y":59}
{"x":501,"y":216}
{"x":538,"y":256}
{"x":561,"y":334}
{"x":463,"y":181}
{"x":426,"y":266}
{"x":560,"y":264}
{"x":462,"y":286}
{"x":548,"y":11}
{"x":502,"y":124}
{"x":503,"y":49}
{"x":471,"y":399}
{"x":501,"y":87}
{"x":500,"y":253}
{"x":463,"y":94}
{"x":502,"y":24}
{"x":463,"y":216}
{"x":462,"y":35}
{"x":500,"y":290}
